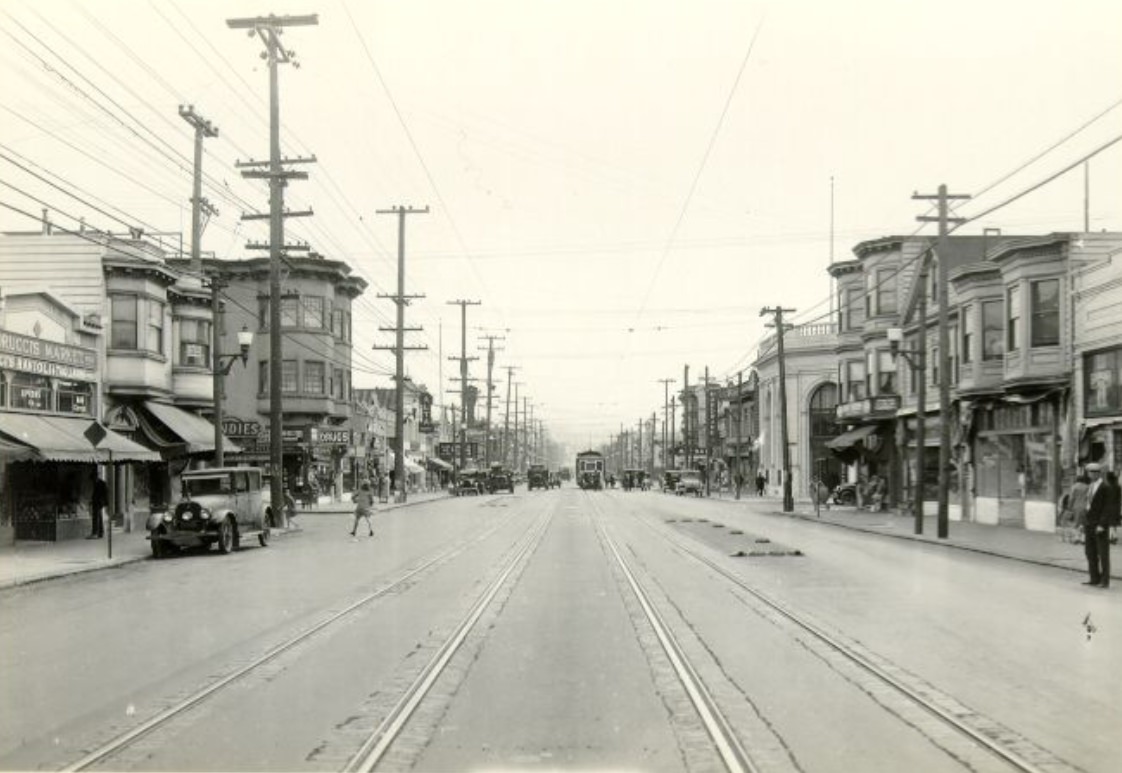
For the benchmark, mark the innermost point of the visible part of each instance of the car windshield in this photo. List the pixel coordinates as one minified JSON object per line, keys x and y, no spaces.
{"x":215,"y":484}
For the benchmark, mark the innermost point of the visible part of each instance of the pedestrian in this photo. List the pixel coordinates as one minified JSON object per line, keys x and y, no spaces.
{"x":1102,"y":511}
{"x":364,"y":506}
{"x":98,"y":502}
{"x":761,"y":483}
{"x":1074,"y":512}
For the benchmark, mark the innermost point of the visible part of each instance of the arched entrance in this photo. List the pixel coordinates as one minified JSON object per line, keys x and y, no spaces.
{"x":823,"y":428}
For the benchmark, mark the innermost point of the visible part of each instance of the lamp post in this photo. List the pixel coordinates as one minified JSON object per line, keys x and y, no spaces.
{"x":917,"y":360}
{"x":222,"y":365}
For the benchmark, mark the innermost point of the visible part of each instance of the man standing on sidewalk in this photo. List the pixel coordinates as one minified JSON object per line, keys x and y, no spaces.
{"x":1104,"y":499}
{"x":97,"y":504}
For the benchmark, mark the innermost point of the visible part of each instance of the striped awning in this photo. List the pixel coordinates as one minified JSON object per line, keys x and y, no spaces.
{"x":62,"y":439}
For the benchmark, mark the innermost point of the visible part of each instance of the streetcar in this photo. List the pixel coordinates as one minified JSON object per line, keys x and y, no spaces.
{"x":590,"y":470}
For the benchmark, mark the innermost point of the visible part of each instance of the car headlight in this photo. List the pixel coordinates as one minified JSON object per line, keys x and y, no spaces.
{"x":167,"y":517}
{"x":204,"y":514}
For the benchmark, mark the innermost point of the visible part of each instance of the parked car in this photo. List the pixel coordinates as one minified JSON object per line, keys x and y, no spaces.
{"x":218,"y":506}
{"x":688,"y":483}
{"x":670,"y":480}
{"x":844,"y":494}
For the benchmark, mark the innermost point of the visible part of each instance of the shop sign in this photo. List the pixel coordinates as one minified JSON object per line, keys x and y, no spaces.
{"x":26,"y":350}
{"x":41,"y":367}
{"x":450,"y":451}
{"x":331,"y":436}
{"x":235,"y":427}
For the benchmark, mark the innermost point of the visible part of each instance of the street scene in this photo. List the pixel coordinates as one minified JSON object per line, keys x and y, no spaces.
{"x":611,"y":386}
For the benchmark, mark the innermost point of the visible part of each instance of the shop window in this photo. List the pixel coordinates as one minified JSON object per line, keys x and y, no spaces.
{"x":1102,"y":382}
{"x":289,"y":382}
{"x":1045,"y":330}
{"x":31,"y":393}
{"x":75,"y":397}
{"x":993,"y":331}
{"x":194,"y":342}
{"x":123,"y":311}
{"x":314,"y":377}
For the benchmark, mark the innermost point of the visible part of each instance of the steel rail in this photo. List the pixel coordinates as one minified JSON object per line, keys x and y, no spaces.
{"x":856,"y":657}
{"x":718,"y":727}
{"x":383,"y":736}
{"x":126,"y":739}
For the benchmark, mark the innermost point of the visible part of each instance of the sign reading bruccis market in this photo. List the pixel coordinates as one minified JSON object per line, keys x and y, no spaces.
{"x":47,"y":358}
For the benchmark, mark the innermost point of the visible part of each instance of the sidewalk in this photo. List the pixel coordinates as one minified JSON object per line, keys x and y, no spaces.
{"x":1008,"y":542}
{"x":24,"y":563}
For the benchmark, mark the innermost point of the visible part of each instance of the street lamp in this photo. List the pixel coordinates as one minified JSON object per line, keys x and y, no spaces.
{"x":917,"y":361}
{"x":222,"y":365}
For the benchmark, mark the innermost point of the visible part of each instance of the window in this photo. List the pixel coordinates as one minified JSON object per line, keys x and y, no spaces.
{"x":290,"y":312}
{"x":886,"y":291}
{"x":1102,"y":382}
{"x":123,"y":310}
{"x":870,"y":360}
{"x":263,"y":377}
{"x":347,"y":326}
{"x":967,"y":331}
{"x":338,"y":386}
{"x":289,"y":382}
{"x":314,"y":378}
{"x":855,"y":381}
{"x":933,"y":281}
{"x":155,"y":342}
{"x":194,"y":342}
{"x":337,"y":323}
{"x":886,"y":373}
{"x":1012,"y":317}
{"x":313,"y":312}
{"x":933,"y":364}
{"x":263,"y":313}
{"x":1045,"y":330}
{"x":854,"y":311}
{"x":993,"y":344}
{"x":30,"y":392}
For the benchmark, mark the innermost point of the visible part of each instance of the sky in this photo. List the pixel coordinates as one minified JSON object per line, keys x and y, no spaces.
{"x":622,"y":185}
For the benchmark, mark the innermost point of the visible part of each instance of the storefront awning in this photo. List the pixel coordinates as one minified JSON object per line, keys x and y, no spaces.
{"x":438,"y":464}
{"x":847,"y":440}
{"x":195,"y":432}
{"x":61,"y":439}
{"x":412,"y":465}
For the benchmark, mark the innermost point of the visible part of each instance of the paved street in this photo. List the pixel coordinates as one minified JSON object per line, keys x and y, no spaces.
{"x":547,"y":630}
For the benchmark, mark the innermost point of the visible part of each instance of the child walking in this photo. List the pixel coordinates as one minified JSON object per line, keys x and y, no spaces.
{"x":364,"y":506}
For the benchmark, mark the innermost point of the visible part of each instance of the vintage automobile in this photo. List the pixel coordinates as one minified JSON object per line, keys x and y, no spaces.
{"x":470,"y":484}
{"x":670,"y":480}
{"x":555,"y":480}
{"x":537,"y":477}
{"x":689,"y":483}
{"x":218,"y":506}
{"x":499,"y":480}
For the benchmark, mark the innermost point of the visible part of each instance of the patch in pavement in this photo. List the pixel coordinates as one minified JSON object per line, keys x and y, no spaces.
{"x":735,"y":542}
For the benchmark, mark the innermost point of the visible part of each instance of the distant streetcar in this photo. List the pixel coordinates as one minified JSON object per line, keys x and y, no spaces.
{"x":590,"y":470}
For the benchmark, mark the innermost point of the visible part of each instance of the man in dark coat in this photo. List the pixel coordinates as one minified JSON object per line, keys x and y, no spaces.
{"x":98,"y":503}
{"x":1104,"y":500}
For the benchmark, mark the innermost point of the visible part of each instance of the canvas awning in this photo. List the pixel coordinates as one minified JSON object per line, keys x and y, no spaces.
{"x":438,"y":464}
{"x":412,"y":465}
{"x":848,"y":440}
{"x":192,"y":431}
{"x":62,"y":439}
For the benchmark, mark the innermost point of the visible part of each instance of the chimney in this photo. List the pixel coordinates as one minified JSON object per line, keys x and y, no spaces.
{"x":46,"y":222}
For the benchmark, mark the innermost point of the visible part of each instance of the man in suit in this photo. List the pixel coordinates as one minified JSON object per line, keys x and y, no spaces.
{"x":1096,"y":529}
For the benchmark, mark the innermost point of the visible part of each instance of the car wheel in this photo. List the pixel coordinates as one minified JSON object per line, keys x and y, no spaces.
{"x":847,"y":498}
{"x":225,"y":540}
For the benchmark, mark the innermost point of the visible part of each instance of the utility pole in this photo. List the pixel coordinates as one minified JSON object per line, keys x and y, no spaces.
{"x":739,"y":474}
{"x":944,"y":361}
{"x":666,"y":382}
{"x":203,"y":129}
{"x":402,"y":300}
{"x":686,"y":403}
{"x":269,"y":29}
{"x":199,"y":205}
{"x":506,"y":418}
{"x":708,"y":435}
{"x":673,"y":422}
{"x":639,"y":439}
{"x":514,"y":437}
{"x":463,"y":358}
{"x":525,"y":430}
{"x":490,"y":392}
{"x":778,"y":312}
{"x":654,"y":429}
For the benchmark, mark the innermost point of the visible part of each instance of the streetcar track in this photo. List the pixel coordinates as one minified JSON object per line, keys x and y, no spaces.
{"x":716,"y":724}
{"x":977,"y":728}
{"x":130,"y":737}
{"x":393,"y":724}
